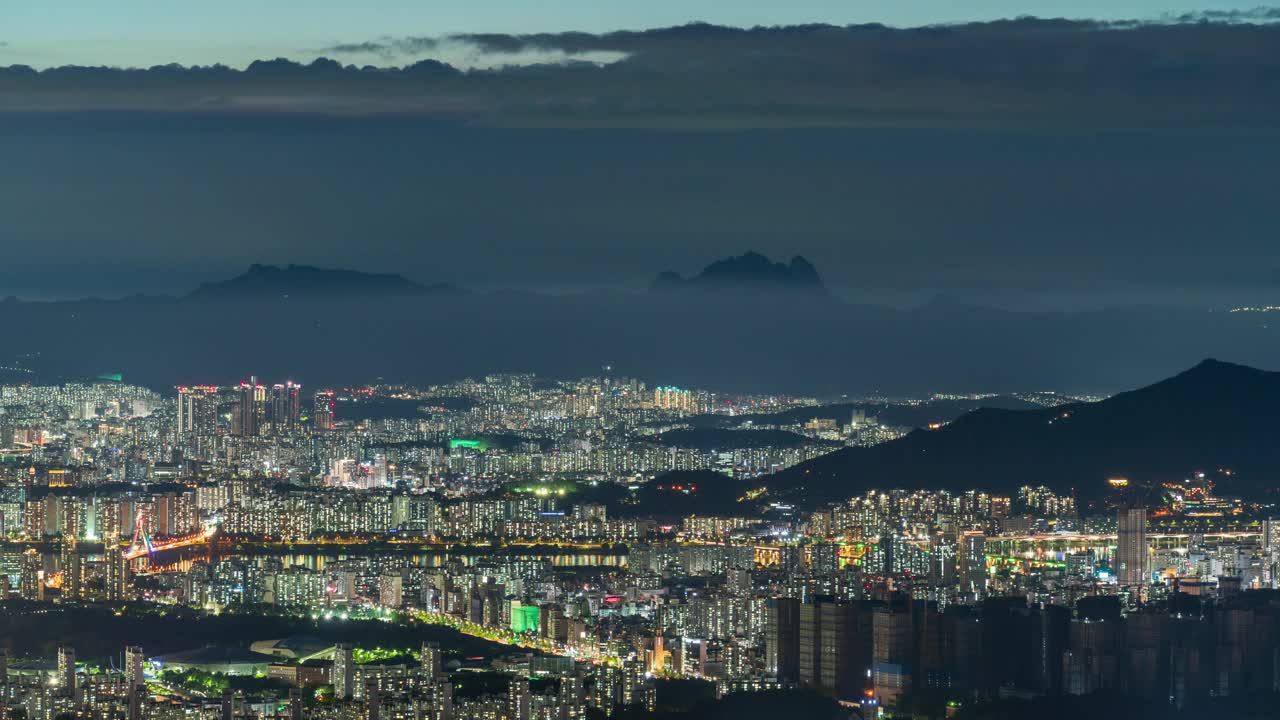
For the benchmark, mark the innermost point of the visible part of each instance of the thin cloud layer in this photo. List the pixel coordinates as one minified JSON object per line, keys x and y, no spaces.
{"x":1254,"y":15}
{"x":1206,"y":69}
{"x":387,"y":48}
{"x":462,"y":52}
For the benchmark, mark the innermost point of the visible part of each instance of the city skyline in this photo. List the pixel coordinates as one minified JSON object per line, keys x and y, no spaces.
{"x":590,"y":541}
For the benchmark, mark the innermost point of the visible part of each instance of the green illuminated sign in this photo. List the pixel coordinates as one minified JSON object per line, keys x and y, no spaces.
{"x":524,"y":619}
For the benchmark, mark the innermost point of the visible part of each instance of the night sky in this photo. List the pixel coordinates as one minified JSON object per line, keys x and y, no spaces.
{"x":1024,"y":163}
{"x":236,"y":32}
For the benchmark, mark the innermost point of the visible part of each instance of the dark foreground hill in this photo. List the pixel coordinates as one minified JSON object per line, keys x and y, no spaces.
{"x":1215,"y":416}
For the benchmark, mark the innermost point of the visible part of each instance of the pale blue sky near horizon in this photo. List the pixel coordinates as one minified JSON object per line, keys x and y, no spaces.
{"x":140,"y":33}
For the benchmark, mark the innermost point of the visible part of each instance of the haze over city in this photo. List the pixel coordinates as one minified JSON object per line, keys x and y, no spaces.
{"x":565,"y":360}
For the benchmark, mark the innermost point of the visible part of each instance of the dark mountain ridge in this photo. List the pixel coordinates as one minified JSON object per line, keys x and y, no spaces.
{"x":749,"y":272}
{"x":261,"y":282}
{"x":731,"y":341}
{"x":1215,"y":416}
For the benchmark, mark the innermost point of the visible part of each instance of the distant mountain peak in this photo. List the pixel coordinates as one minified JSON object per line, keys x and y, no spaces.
{"x":306,"y":281}
{"x":1214,"y":415}
{"x":1214,"y":365}
{"x":749,"y":272}
{"x":1211,"y":376}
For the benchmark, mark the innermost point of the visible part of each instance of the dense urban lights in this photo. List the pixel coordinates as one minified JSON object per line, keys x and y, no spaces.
{"x":544,"y":519}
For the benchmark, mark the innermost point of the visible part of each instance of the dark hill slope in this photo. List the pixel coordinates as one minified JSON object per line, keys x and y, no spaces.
{"x":1215,"y":415}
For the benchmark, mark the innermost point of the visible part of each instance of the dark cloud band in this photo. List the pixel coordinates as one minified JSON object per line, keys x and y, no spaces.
{"x":1208,"y":69}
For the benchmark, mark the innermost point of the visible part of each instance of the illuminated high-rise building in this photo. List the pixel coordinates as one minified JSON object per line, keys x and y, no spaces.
{"x":260,"y":406}
{"x":31,"y":581}
{"x":197,"y":409}
{"x":134,"y":661}
{"x":441,"y":707}
{"x":1271,"y":552}
{"x":343,"y":672}
{"x":73,"y":571}
{"x":971,"y":562}
{"x":116,"y":580}
{"x":67,"y":670}
{"x":1133,"y":562}
{"x":372,"y":699}
{"x":675,"y":399}
{"x":572,"y":692}
{"x":431,"y":665}
{"x":107,"y":517}
{"x":322,"y":416}
{"x":251,"y":408}
{"x":519,"y":701}
{"x":285,"y":406}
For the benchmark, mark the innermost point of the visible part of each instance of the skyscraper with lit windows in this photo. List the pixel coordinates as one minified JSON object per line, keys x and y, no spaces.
{"x":116,"y":570}
{"x":323,"y":417}
{"x":344,"y":668}
{"x":1133,"y":562}
{"x":197,"y":408}
{"x":67,"y":670}
{"x":251,"y":408}
{"x":285,"y":405}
